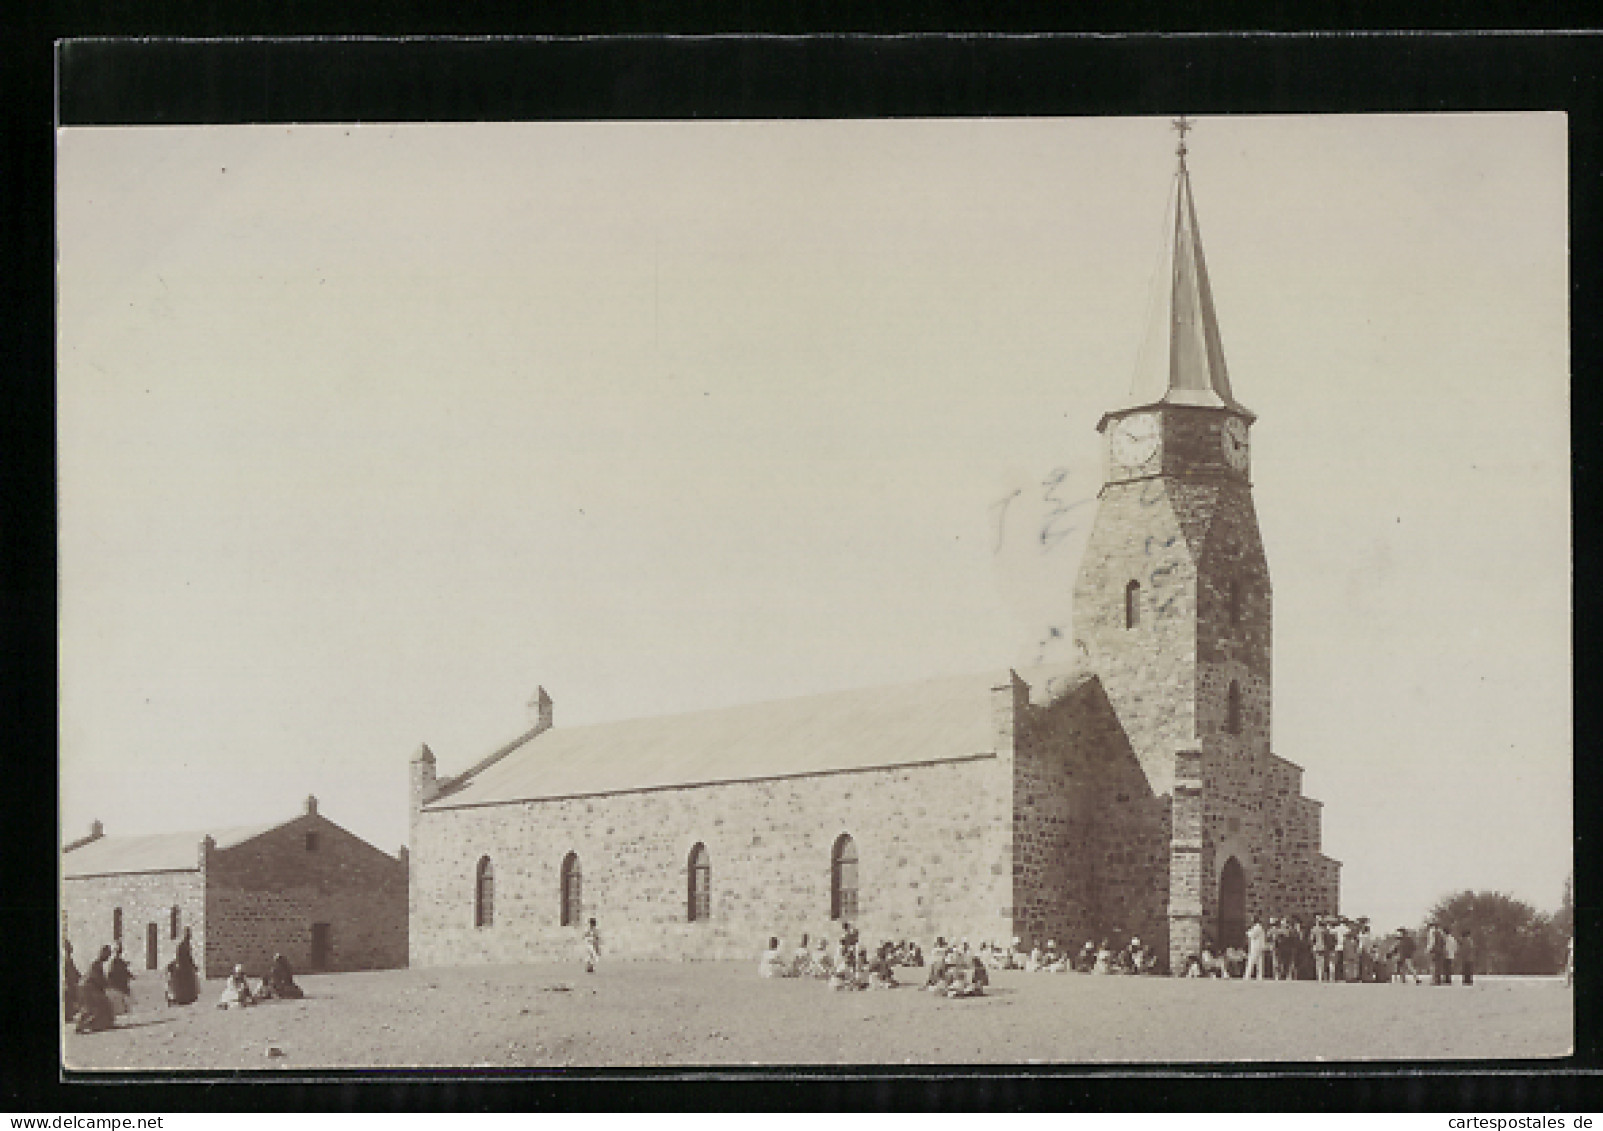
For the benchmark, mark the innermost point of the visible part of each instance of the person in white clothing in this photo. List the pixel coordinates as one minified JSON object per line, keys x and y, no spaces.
{"x":1258,"y":952}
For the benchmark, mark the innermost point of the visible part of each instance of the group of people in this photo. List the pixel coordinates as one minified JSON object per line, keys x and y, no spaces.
{"x":92,"y":1002}
{"x":847,"y":965}
{"x":278,"y":982}
{"x":1335,"y":948}
{"x":1134,"y":957}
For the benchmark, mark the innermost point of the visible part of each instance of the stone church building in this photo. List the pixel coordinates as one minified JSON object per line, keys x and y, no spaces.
{"x":325,"y":898}
{"x":1133,"y":792}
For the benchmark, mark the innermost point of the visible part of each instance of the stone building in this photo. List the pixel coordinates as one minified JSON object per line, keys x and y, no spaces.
{"x":305,"y":887}
{"x":1132,"y":792}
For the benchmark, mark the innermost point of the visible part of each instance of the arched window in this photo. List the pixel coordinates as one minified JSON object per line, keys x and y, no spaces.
{"x":173,"y":923}
{"x":572,"y":890}
{"x":1235,"y":600}
{"x":1233,"y":708}
{"x":116,"y":924}
{"x":700,"y":908}
{"x":1132,"y":604}
{"x":484,"y":894}
{"x":843,"y":879}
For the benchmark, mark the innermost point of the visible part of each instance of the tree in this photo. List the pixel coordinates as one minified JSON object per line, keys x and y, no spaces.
{"x":1511,"y":936}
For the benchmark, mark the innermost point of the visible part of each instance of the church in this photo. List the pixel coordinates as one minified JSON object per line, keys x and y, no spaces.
{"x":1133,"y":791}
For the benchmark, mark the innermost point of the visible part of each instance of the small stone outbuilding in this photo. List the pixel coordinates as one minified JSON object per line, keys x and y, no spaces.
{"x":325,"y":898}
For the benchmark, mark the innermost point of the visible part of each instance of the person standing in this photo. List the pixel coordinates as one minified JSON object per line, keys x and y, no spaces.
{"x":592,"y":947}
{"x":1338,"y":950}
{"x":69,"y":979}
{"x":1407,"y":947}
{"x":183,"y":987}
{"x":119,"y":983}
{"x":1321,"y":946}
{"x":95,"y":1013}
{"x":1436,"y":946}
{"x":1466,"y":955}
{"x":1350,"y":951}
{"x":1449,"y":955}
{"x":1257,"y":951}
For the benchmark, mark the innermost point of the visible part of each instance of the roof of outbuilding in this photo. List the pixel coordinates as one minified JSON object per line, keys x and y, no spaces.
{"x":156,"y":852}
{"x":933,"y":721}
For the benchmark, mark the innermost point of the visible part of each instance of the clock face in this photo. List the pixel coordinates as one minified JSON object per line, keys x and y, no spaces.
{"x":1134,"y":442}
{"x":1234,"y":438}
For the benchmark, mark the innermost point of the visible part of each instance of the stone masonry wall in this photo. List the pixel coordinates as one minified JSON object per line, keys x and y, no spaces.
{"x":932,"y":842}
{"x":1091,"y":839}
{"x":87,"y":904}
{"x":1148,"y":671}
{"x":264,"y":895}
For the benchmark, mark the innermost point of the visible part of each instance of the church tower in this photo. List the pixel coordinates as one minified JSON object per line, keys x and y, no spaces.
{"x":1172,"y":605}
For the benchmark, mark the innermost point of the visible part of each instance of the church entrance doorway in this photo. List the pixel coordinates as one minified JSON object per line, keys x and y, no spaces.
{"x":1232,"y":905}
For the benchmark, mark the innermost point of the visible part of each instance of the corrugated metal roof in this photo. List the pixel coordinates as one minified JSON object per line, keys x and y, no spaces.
{"x":157,"y":852}
{"x":847,"y":730}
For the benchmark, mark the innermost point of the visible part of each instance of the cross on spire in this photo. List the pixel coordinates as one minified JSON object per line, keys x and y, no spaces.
{"x":1182,"y":126}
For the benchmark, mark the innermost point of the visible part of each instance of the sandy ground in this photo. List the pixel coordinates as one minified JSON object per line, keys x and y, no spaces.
{"x":644,"y":1014}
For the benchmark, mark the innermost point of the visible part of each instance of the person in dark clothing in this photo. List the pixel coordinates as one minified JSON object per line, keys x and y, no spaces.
{"x":183,"y":987}
{"x":280,"y":981}
{"x":1466,"y":956}
{"x":1407,"y":946}
{"x":119,"y":982}
{"x":94,"y":1012}
{"x":69,"y":982}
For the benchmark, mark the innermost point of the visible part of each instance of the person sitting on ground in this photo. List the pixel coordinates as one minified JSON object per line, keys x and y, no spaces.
{"x":844,"y":976}
{"x":94,"y":1007}
{"x":236,"y":991}
{"x":280,"y":981}
{"x":1104,"y":959}
{"x":801,"y":962}
{"x":968,"y":980}
{"x":940,"y":971}
{"x":1235,"y":962}
{"x":821,"y":966}
{"x":119,"y":983}
{"x":916,"y":956}
{"x":1012,"y":957}
{"x":772,"y":963}
{"x":1212,"y":965}
{"x":1194,"y":966}
{"x":880,"y":974}
{"x":1032,"y":963}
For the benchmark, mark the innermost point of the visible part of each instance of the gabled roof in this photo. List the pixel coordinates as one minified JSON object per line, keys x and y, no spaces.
{"x":156,"y":852}
{"x":934,"y":721}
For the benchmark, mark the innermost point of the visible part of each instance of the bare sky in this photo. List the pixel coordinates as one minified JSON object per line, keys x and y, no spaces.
{"x":367,"y":431}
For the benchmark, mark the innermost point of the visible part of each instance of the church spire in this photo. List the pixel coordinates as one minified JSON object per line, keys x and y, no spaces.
{"x":1183,"y":361}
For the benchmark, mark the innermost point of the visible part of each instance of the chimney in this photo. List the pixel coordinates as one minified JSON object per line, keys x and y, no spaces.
{"x":311,"y":805}
{"x":96,"y":831}
{"x":540,"y":709}
{"x":422,"y":776}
